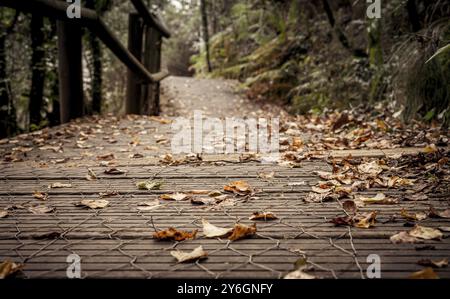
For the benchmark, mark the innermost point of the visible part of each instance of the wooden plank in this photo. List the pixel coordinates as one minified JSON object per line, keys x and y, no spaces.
{"x":133,"y":103}
{"x":70,"y":71}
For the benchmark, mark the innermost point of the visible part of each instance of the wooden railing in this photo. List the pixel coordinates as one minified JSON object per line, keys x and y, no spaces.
{"x":143,"y":56}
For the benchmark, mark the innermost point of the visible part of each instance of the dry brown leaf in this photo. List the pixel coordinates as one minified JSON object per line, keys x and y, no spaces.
{"x":396,"y":181}
{"x":379,"y":199}
{"x":427,"y":273}
{"x":148,"y":205}
{"x":265,"y":216}
{"x":173,"y":234}
{"x":40,"y":195}
{"x":93,"y":204}
{"x":238,"y":187}
{"x":59,"y":185}
{"x":429,"y":149}
{"x":212,"y":231}
{"x":372,"y":168}
{"x":266,"y":175}
{"x":185,"y":257}
{"x":367,"y":220}
{"x":404,"y":237}
{"x":322,"y":189}
{"x":3,"y":213}
{"x":413,"y":216}
{"x":349,"y":206}
{"x":433,"y":213}
{"x":434,"y":264}
{"x":416,"y":197}
{"x":8,"y":268}
{"x":41,"y":209}
{"x":149,"y":185}
{"x":91,"y":176}
{"x":203,"y":201}
{"x":175,"y":196}
{"x":241,"y":231}
{"x":299,"y":274}
{"x":114,"y":171}
{"x":426,"y":233}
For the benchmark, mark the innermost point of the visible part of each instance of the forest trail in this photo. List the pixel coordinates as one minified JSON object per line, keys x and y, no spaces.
{"x":213,"y":97}
{"x":100,"y":187}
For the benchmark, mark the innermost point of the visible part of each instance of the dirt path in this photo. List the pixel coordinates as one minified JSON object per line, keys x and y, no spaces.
{"x":214,"y":97}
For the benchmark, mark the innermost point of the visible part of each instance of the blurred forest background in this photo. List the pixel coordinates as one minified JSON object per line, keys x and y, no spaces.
{"x":307,"y":55}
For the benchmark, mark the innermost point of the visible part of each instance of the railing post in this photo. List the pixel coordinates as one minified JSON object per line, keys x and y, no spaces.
{"x":152,"y":61}
{"x":70,"y":71}
{"x":135,"y":31}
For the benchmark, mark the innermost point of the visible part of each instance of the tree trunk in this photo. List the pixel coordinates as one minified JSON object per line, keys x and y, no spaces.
{"x":413,"y":16}
{"x":38,"y":70}
{"x":8,"y":122}
{"x":375,"y":58}
{"x":204,"y":14}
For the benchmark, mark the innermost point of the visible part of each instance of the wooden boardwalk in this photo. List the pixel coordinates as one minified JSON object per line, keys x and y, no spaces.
{"x":117,"y":241}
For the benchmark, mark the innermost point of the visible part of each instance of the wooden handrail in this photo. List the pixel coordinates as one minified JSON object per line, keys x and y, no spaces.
{"x":151,"y":19}
{"x":89,"y":18}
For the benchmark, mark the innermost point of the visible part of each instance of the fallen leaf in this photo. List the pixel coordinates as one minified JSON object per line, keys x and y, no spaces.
{"x":266,"y":175}
{"x":349,"y":206}
{"x":367,"y":220}
{"x":3,"y":213}
{"x":175,"y":196}
{"x":342,"y":221}
{"x":41,"y":209}
{"x":47,"y":236}
{"x":212,"y":231}
{"x":203,"y":201}
{"x":265,"y":216}
{"x":429,"y":149}
{"x":379,"y":199}
{"x":413,"y":216}
{"x":444,"y":228}
{"x":40,"y":195}
{"x":241,"y":231}
{"x":91,"y":176}
{"x":238,"y":187}
{"x":416,"y":197}
{"x":433,"y":213}
{"x":396,"y":181}
{"x":299,"y":274}
{"x":300,"y":267}
{"x":434,"y":264}
{"x":59,"y":185}
{"x":404,"y":237}
{"x":173,"y":234}
{"x":426,"y":233}
{"x":149,"y":185}
{"x":93,"y":204}
{"x":114,"y":171}
{"x":8,"y":268}
{"x":148,"y":205}
{"x":372,"y":168}
{"x":427,"y":273}
{"x":185,"y":257}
